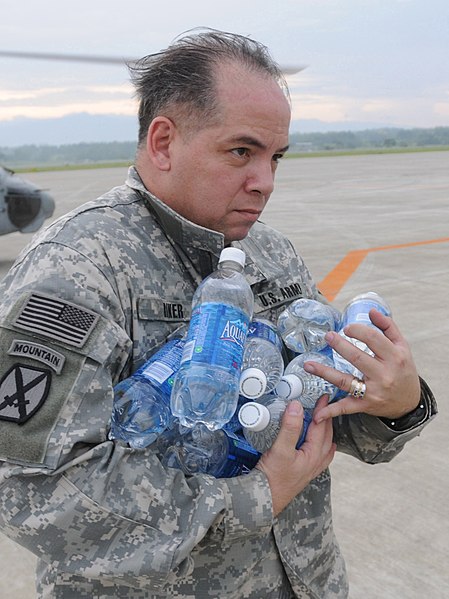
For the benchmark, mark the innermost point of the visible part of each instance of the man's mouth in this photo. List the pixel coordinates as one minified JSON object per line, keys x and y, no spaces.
{"x":250,"y":214}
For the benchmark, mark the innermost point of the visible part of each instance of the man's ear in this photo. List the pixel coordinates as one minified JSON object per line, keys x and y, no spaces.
{"x":159,"y":137}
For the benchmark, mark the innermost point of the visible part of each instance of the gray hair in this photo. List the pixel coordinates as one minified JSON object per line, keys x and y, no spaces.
{"x":183,"y":75}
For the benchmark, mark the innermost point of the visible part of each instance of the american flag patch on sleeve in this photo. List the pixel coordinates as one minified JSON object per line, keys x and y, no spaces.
{"x":57,"y":319}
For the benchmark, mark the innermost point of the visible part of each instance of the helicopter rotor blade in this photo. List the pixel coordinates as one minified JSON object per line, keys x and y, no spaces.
{"x":66,"y":57}
{"x":116,"y":60}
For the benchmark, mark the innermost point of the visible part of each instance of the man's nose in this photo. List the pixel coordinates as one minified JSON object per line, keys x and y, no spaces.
{"x":261,"y":179}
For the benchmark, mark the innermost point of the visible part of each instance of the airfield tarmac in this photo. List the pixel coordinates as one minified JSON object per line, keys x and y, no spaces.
{"x":377,"y":222}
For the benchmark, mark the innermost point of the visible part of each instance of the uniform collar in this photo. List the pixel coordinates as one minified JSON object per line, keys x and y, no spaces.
{"x":202,"y":246}
{"x":197,"y":246}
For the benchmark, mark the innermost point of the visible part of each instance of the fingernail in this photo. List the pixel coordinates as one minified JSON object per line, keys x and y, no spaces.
{"x":308,"y":367}
{"x":294,"y":408}
{"x":329,"y":336}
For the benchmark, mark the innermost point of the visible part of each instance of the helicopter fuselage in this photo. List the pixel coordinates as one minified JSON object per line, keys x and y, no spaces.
{"x":23,"y":206}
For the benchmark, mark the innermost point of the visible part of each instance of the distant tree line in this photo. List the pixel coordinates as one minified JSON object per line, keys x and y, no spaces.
{"x":81,"y":153}
{"x":85,"y":153}
{"x":371,"y":138}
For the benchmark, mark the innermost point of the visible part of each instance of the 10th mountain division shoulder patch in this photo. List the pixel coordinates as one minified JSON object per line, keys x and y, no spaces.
{"x":23,"y":390}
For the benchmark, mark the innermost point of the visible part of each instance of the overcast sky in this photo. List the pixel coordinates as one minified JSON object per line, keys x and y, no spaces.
{"x":383,"y":61}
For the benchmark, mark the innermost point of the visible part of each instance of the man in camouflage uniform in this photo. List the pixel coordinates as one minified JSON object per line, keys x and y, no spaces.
{"x":104,"y":287}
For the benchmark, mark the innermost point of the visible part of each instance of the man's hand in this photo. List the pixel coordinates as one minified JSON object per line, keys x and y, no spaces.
{"x":289,"y":470}
{"x":392,"y":382}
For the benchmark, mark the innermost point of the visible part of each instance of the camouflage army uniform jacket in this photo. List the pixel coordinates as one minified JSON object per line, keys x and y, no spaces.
{"x":85,"y":305}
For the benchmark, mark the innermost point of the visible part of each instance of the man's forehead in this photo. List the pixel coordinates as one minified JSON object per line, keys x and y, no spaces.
{"x":262,"y":127}
{"x":242,"y":82}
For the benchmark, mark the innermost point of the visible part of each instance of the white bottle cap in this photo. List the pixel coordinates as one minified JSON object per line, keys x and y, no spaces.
{"x":254,"y":416}
{"x":289,"y":387}
{"x":234,"y":254}
{"x":253,"y":383}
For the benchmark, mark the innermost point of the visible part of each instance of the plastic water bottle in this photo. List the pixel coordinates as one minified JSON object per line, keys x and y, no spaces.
{"x":141,"y":409}
{"x":233,"y":425}
{"x":206,"y":387}
{"x":303,"y":324}
{"x":261,"y":421}
{"x":357,"y":311}
{"x":218,"y":453}
{"x":297,"y":383}
{"x":263,"y":363}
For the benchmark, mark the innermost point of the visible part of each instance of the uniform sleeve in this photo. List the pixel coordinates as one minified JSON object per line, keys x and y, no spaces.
{"x":374,"y":440}
{"x":68,"y":494}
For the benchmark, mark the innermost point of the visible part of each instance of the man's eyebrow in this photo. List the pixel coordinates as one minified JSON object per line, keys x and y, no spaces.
{"x":251,"y":141}
{"x":283,"y":150}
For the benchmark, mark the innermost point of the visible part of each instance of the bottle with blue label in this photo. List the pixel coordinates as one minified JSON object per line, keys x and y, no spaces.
{"x":206,"y":387}
{"x":261,"y":421}
{"x":217,"y":453}
{"x":141,"y":409}
{"x":263,"y":363}
{"x":357,"y":311}
{"x":297,"y":383}
{"x":303,"y":324}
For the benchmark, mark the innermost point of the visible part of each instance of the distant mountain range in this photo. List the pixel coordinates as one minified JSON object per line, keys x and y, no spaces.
{"x":83,"y":127}
{"x":317,"y":126}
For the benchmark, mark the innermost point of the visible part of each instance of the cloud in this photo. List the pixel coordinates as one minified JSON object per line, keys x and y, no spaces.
{"x":442,"y":109}
{"x":53,"y":102}
{"x":13,"y":95}
{"x":324,"y":108}
{"x":380,"y":106}
{"x":45,"y":112}
{"x":421,"y":111}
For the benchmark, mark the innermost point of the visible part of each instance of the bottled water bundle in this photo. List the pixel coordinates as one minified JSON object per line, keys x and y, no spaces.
{"x":357,"y":311}
{"x":217,"y":453}
{"x":261,"y":421}
{"x":141,"y":409}
{"x":263,"y":363}
{"x":303,"y":324}
{"x":206,"y":387}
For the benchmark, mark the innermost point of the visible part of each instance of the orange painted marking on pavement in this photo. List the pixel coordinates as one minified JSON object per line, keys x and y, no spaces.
{"x":334,"y":281}
{"x":337,"y":277}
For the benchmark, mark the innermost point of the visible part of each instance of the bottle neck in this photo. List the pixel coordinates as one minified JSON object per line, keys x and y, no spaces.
{"x":230,"y":265}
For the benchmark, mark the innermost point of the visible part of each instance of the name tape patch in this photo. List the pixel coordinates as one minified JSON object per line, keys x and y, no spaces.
{"x":279,"y":295}
{"x":38,"y":352}
{"x":57,"y":319}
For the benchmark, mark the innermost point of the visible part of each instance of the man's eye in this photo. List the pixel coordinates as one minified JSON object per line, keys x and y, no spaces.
{"x":277,"y":157}
{"x":240,"y":151}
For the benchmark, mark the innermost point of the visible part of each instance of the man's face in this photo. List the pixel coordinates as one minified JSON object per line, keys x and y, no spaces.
{"x":222,"y":175}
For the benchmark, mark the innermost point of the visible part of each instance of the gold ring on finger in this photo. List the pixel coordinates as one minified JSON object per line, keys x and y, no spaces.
{"x":357,"y":389}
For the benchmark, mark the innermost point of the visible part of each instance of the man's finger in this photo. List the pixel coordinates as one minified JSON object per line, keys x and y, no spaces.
{"x":386,"y":325}
{"x":291,"y":426}
{"x":347,"y":405}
